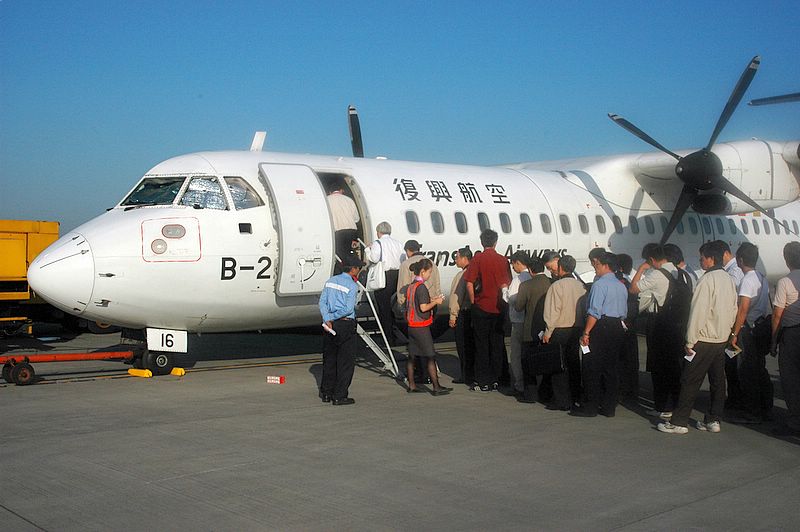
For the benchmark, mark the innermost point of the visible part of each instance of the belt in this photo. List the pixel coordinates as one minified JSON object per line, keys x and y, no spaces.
{"x":343,"y":318}
{"x":610,"y":318}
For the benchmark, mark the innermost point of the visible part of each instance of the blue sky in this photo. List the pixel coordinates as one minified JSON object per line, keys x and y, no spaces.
{"x":94,"y":93}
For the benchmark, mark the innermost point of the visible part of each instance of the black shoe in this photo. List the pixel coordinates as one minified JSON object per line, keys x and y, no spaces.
{"x":551,"y":406}
{"x":325,"y":398}
{"x":415,"y":390}
{"x":582,"y":413}
{"x":485,"y":388}
{"x":344,"y":401}
{"x":441,"y":391}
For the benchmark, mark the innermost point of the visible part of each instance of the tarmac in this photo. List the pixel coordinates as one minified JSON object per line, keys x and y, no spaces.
{"x":90,"y":448}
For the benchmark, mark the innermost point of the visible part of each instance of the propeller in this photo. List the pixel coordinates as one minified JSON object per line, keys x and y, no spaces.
{"x":355,"y":132}
{"x":702,"y":170}
{"x":784,"y":98}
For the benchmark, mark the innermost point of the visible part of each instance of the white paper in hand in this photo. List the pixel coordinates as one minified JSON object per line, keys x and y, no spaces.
{"x":585,"y":349}
{"x":328,"y":329}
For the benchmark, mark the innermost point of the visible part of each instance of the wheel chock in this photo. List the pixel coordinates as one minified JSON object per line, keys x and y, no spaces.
{"x":146,"y":373}
{"x":178,"y":372}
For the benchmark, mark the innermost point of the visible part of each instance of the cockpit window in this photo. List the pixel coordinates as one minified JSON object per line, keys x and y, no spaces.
{"x":244,"y":197}
{"x":155,"y":191}
{"x":204,"y":193}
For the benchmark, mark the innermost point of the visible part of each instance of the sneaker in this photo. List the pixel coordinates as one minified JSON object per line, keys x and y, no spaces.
{"x":669,"y":428}
{"x":712,"y":426}
{"x":484,"y":388}
{"x":666,"y":416}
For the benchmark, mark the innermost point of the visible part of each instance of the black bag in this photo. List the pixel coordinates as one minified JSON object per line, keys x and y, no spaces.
{"x":543,"y":359}
{"x":674,"y":314}
{"x":762,"y":334}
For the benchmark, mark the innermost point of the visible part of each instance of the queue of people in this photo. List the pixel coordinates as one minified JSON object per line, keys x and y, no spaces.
{"x":573,"y":345}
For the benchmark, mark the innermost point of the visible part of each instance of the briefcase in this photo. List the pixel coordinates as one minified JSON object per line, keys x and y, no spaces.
{"x":544,"y":359}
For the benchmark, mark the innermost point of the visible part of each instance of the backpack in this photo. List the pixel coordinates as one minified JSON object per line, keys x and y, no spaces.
{"x":674,"y":312}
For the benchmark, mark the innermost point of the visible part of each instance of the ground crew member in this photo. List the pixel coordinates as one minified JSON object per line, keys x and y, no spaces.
{"x":337,"y":304}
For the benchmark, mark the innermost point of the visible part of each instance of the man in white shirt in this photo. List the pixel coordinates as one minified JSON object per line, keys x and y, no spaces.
{"x":345,"y":217}
{"x":751,"y":332}
{"x":388,"y":252}
{"x":664,"y":341}
{"x":734,"y":400}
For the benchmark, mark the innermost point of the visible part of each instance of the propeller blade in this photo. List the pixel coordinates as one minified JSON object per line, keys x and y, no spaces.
{"x":736,"y":97}
{"x":355,"y":132}
{"x":733,"y":190}
{"x":688,"y":194}
{"x":624,"y":124}
{"x":784,"y":98}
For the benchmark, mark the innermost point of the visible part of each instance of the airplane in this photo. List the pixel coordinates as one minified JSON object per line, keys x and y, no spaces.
{"x":228,"y":241}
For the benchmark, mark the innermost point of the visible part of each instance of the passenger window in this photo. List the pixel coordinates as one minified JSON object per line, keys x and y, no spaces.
{"x":525,"y":220}
{"x":483,"y":221}
{"x":566,"y":227}
{"x":693,"y":226}
{"x":601,"y":224}
{"x":777,"y":227}
{"x":706,"y":225}
{"x":794,"y":224}
{"x":732,"y":226}
{"x":437,"y":222}
{"x":664,"y":223}
{"x":461,"y":222}
{"x":680,"y":227}
{"x":766,"y":226}
{"x":505,"y":222}
{"x":651,"y":228}
{"x":634,"y":223}
{"x":720,"y":226}
{"x":155,"y":191}
{"x":584,"y":224}
{"x":756,"y":228}
{"x":745,"y":229}
{"x":244,"y":197}
{"x":545,"y":220}
{"x":412,"y":222}
{"x":204,"y":193}
{"x":617,"y":224}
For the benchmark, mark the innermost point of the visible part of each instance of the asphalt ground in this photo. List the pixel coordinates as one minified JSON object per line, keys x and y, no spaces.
{"x":90,"y":448}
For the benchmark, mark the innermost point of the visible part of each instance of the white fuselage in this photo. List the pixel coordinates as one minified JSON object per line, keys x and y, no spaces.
{"x":223,"y":263}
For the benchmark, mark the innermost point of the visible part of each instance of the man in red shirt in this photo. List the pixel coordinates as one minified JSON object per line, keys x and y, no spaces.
{"x":486,"y":277}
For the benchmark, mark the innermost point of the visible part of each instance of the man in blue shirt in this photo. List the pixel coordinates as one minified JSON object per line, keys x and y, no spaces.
{"x":337,"y":304}
{"x":604,"y":335}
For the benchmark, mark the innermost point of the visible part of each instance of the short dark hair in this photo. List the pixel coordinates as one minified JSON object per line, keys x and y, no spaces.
{"x":422,"y":264}
{"x":521,"y":256}
{"x":673,"y":253}
{"x":595,"y":253}
{"x":567,"y":263}
{"x":548,"y":256}
{"x":723,"y":245}
{"x":412,"y":245}
{"x":747,"y":254}
{"x":653,"y":251}
{"x":624,"y":263}
{"x":465,"y":252}
{"x":536,"y":265}
{"x":791,"y":253}
{"x":608,"y":259}
{"x":714,"y":250}
{"x":488,"y":238}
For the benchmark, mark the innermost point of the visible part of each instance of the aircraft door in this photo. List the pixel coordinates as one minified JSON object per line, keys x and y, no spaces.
{"x":305,"y":232}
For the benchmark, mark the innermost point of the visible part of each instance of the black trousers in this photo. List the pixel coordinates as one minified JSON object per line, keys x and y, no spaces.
{"x":465,"y":345}
{"x":600,"y":379}
{"x":489,"y":346}
{"x":754,"y":381}
{"x":664,"y":353}
{"x":383,"y":302}
{"x":339,"y":359}
{"x":629,"y":366}
{"x":734,"y":400}
{"x":563,"y":392}
{"x":789,"y":368}
{"x":710,"y":359}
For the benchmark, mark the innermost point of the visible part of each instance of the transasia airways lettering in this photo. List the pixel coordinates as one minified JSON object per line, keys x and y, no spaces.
{"x":448,"y":258}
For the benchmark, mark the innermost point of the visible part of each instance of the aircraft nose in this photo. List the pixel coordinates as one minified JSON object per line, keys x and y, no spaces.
{"x":63,"y":274}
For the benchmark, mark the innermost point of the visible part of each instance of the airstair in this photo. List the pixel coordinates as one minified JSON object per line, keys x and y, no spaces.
{"x":374,"y":333}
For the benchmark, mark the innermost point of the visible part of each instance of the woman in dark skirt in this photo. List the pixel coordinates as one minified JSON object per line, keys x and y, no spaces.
{"x":419,"y":318}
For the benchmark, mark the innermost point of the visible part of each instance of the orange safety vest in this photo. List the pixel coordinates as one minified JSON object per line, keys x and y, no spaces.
{"x":412,"y":318}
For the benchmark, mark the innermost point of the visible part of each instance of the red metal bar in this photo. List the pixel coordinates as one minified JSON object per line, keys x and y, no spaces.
{"x":67,"y":357}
